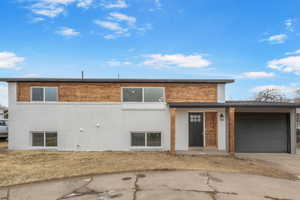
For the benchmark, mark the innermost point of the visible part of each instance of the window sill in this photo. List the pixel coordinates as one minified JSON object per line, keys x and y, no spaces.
{"x":143,"y":106}
{"x":146,"y":148}
{"x":44,"y":148}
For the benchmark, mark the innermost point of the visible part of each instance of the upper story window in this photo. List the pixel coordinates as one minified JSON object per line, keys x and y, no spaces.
{"x":44,"y":94}
{"x":146,"y":94}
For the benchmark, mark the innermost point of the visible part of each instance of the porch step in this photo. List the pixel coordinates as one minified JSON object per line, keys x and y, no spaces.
{"x":202,"y":152}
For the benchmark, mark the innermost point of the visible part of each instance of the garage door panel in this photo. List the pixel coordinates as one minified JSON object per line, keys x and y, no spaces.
{"x":261,"y":132}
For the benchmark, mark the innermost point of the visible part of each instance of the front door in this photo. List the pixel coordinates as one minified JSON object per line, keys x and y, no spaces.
{"x":196,"y":129}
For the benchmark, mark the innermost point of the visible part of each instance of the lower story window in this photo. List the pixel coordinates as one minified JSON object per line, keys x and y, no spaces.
{"x":146,"y":139}
{"x":44,"y":139}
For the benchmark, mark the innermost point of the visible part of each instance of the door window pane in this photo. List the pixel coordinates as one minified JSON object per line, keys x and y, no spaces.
{"x":153,"y":94}
{"x":38,"y":139}
{"x":137,"y":139}
{"x":195,"y":118}
{"x":132,"y":94}
{"x":37,"y":94}
{"x":154,"y":139}
{"x":51,"y":139}
{"x":51,"y":94}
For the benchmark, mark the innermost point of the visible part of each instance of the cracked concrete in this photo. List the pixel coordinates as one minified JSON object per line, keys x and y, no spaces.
{"x":284,"y":161}
{"x":167,"y":185}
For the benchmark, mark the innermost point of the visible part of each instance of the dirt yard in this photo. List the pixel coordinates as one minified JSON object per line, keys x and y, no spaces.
{"x":19,"y":167}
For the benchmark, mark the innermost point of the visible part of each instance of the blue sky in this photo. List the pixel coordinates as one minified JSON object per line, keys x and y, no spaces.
{"x":255,"y":42}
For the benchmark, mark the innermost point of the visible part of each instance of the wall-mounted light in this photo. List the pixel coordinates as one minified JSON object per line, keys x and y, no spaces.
{"x":222,"y":117}
{"x":81,"y":130}
{"x":97,"y":125}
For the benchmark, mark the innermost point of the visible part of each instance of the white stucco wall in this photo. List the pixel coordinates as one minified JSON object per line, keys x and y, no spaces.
{"x":222,"y":134}
{"x":221,"y":93}
{"x":76,"y":123}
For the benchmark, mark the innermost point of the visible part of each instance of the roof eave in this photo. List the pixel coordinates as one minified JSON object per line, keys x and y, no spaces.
{"x":117,"y":80}
{"x":226,"y":105}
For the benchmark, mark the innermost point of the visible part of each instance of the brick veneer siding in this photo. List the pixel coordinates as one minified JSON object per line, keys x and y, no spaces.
{"x":111,"y":92}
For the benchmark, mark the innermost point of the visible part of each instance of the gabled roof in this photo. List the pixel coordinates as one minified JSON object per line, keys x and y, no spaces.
{"x":108,"y":80}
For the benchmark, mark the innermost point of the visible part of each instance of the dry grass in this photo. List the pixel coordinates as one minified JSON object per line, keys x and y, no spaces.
{"x":3,"y":144}
{"x":29,"y":166}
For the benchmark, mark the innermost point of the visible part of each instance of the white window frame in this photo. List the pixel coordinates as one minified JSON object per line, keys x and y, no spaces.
{"x":44,"y":94}
{"x":298,"y":120}
{"x":44,"y":147}
{"x":146,"y":133}
{"x":143,"y":95}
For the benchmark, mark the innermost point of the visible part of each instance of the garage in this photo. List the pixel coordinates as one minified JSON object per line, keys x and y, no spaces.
{"x":262,"y":132}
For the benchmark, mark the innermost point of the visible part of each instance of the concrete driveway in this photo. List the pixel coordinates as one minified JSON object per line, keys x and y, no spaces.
{"x":287,"y":162}
{"x":166,"y":185}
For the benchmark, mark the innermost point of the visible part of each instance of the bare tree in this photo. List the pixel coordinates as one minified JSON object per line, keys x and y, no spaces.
{"x":270,"y":95}
{"x":297,"y":96}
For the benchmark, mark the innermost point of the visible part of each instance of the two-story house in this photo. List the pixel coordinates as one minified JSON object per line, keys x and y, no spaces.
{"x":143,"y":114}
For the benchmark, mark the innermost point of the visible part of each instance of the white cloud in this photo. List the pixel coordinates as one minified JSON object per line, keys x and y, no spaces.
{"x":144,"y":28}
{"x":115,"y":4}
{"x":84,"y":3}
{"x":120,"y":24}
{"x":3,"y":95}
{"x":30,"y":75}
{"x":157,"y":4}
{"x":288,"y":64}
{"x":122,"y":17}
{"x":38,"y":19}
{"x":114,"y":63}
{"x":53,"y":8}
{"x":65,"y":31}
{"x":110,"y":36}
{"x":59,"y":1}
{"x":178,"y":60}
{"x":113,"y":26}
{"x":293,"y":53}
{"x":10,"y":60}
{"x":289,"y":25}
{"x":254,"y":75}
{"x":49,"y":8}
{"x":276,"y":39}
{"x":48,"y":12}
{"x":116,"y":28}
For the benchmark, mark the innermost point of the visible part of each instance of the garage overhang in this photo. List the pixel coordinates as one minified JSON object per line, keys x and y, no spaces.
{"x":235,"y":107}
{"x":236,"y":104}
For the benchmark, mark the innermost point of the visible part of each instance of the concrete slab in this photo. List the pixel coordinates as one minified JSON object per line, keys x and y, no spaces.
{"x":255,"y":186}
{"x":3,"y":193}
{"x":123,"y":195}
{"x":237,"y":197}
{"x":287,"y":162}
{"x":172,"y":195}
{"x":114,"y":182}
{"x":184,"y":180}
{"x":85,"y":197}
{"x":167,"y":185}
{"x":46,"y":190}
